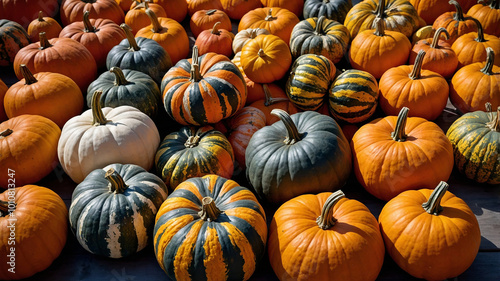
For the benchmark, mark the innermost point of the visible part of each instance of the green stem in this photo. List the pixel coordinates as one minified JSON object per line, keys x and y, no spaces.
{"x":87,"y":26}
{"x":399,"y":133}
{"x":209,"y":211}
{"x":98,"y":115}
{"x":195,"y":67}
{"x":5,"y":133}
{"x":490,"y":59}
{"x":157,"y":28}
{"x":437,"y":35}
{"x":117,"y":184}
{"x":293,"y":135}
{"x":459,"y":14}
{"x":433,"y":205}
{"x":29,"y":78}
{"x":379,"y":26}
{"x":417,"y":66}
{"x":326,"y":219}
{"x":130,"y":37}
{"x":318,"y":30}
{"x":480,"y":33}
{"x":120,"y":79}
{"x":211,"y":12}
{"x":269,"y":100}
{"x":44,"y":42}
{"x":269,"y":16}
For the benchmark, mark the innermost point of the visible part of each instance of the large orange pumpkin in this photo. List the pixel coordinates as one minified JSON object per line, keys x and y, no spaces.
{"x":215,"y":40}
{"x":43,"y":24}
{"x":136,"y":18}
{"x":72,"y":10}
{"x":456,"y":23}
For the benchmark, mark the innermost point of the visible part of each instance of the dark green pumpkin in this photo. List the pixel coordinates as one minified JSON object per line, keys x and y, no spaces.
{"x":320,"y":36}
{"x":303,"y":153}
{"x":331,"y":9}
{"x":475,"y":137}
{"x":353,"y":96}
{"x":13,"y":37}
{"x":141,"y":54}
{"x":127,"y":87}
{"x":193,"y":152}
{"x":113,"y":210}
{"x":309,"y":80}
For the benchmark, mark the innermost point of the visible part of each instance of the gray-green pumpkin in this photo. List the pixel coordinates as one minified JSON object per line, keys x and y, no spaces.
{"x":331,"y":9}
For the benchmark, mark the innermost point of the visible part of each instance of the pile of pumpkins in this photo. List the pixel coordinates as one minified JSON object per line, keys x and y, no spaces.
{"x":270,"y":102}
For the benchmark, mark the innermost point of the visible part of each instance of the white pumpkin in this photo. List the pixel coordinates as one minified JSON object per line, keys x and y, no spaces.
{"x":242,"y":37}
{"x":101,"y":136}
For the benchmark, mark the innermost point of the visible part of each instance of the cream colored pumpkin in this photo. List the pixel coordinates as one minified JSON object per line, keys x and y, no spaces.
{"x":102,"y":136}
{"x":246,"y":35}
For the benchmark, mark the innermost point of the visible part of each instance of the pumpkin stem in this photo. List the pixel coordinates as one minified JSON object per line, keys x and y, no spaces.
{"x":157,"y":28}
{"x":192,"y":141}
{"x":379,"y":26}
{"x":437,"y":35}
{"x":480,"y":33}
{"x":40,"y":16}
{"x":318,"y":30}
{"x":44,"y":42}
{"x":215,"y":29}
{"x":293,"y":134}
{"x":117,"y":184}
{"x":97,"y":114}
{"x":269,"y":16}
{"x":490,"y":59}
{"x":27,"y":74}
{"x":5,"y":133}
{"x":380,"y":9}
{"x":209,"y":212}
{"x":417,"y":66}
{"x":130,"y":37}
{"x":261,"y":53}
{"x":119,"y":76}
{"x":459,"y":14}
{"x":88,"y":27}
{"x":399,"y":133}
{"x":494,"y":123}
{"x":269,"y":100}
{"x":326,"y":1}
{"x":211,"y":12}
{"x":195,"y":67}
{"x":4,"y":208}
{"x":433,"y":205}
{"x":326,"y":219}
{"x":253,"y":33}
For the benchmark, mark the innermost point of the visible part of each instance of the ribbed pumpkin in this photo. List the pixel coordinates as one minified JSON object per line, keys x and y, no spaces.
{"x":430,"y":234}
{"x":216,"y":40}
{"x":28,"y":146}
{"x":127,"y":87}
{"x":475,"y":137}
{"x":475,"y":84}
{"x":398,"y":153}
{"x":43,"y":24}
{"x":377,"y":51}
{"x":197,"y":5}
{"x":3,"y":90}
{"x":205,"y":19}
{"x":40,"y":222}
{"x":236,"y":9}
{"x":72,"y":10}
{"x":203,"y":90}
{"x":61,"y":55}
{"x":294,"y":6}
{"x":277,"y":21}
{"x":353,"y":96}
{"x":99,"y":36}
{"x":439,"y":57}
{"x":430,"y":10}
{"x":423,"y":91}
{"x":332,"y":9}
{"x":487,"y":15}
{"x":320,"y":36}
{"x":113,"y":210}
{"x":48,"y":94}
{"x":273,"y":97}
{"x":210,"y":227}
{"x":456,"y":23}
{"x":13,"y":38}
{"x":193,"y":152}
{"x":245,"y":35}
{"x":141,"y":54}
{"x":102,"y":136}
{"x":309,"y":80}
{"x":169,"y":34}
{"x":137,"y":18}
{"x":24,"y":11}
{"x":397,"y":15}
{"x":176,"y":9}
{"x":325,"y":237}
{"x":303,"y":153}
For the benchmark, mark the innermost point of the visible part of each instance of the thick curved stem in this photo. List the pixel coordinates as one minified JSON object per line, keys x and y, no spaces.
{"x":459,"y":14}
{"x":97,"y":114}
{"x":494,"y":123}
{"x":490,"y":59}
{"x":117,"y":184}
{"x":87,"y":26}
{"x":399,"y":133}
{"x":417,"y":66}
{"x":380,"y":9}
{"x":44,"y":42}
{"x":269,"y":100}
{"x":195,"y":67}
{"x":437,"y":35}
{"x":379,"y":26}
{"x":293,"y":135}
{"x":215,"y":29}
{"x":192,"y":141}
{"x":29,"y":78}
{"x":40,"y":16}
{"x":326,"y":219}
{"x":318,"y":30}
{"x":5,"y":133}
{"x":130,"y":37}
{"x":261,"y":53}
{"x":119,"y":76}
{"x":209,"y":211}
{"x":157,"y":28}
{"x":269,"y":16}
{"x":433,"y":205}
{"x":480,"y":33}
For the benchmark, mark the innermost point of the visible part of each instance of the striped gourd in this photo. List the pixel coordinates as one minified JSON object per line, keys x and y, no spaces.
{"x":309,"y":80}
{"x":475,"y":138}
{"x":353,"y":96}
{"x":112,"y":211}
{"x":210,"y":228}
{"x":193,"y":152}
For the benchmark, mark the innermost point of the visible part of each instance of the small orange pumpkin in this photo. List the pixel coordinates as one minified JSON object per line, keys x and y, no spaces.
{"x":136,"y":18}
{"x":43,"y":24}
{"x":456,"y":23}
{"x":487,"y":15}
{"x":196,"y":5}
{"x":215,"y":40}
{"x":205,"y":19}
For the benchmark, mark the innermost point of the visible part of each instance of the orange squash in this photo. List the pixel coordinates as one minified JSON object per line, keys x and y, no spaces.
{"x":136,"y":18}
{"x":43,"y":24}
{"x":205,"y":19}
{"x":215,"y":40}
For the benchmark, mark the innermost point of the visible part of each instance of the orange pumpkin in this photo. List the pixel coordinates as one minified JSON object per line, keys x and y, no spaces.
{"x":488,"y":16}
{"x":72,"y":10}
{"x":205,"y":19}
{"x":242,"y":37}
{"x":294,"y":6}
{"x":3,"y":90}
{"x":43,"y":24}
{"x":236,"y":9}
{"x":274,"y":97}
{"x":28,"y":146}
{"x":430,"y":10}
{"x":196,"y":5}
{"x":215,"y":40}
{"x":136,"y":18}
{"x":125,"y":4}
{"x":456,"y":23}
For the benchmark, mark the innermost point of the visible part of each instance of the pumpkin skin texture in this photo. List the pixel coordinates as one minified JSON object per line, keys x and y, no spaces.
{"x":294,"y":6}
{"x":48,"y":94}
{"x":113,"y":209}
{"x":475,"y":84}
{"x":24,"y":11}
{"x":488,"y":16}
{"x":212,"y":85}
{"x":205,"y":19}
{"x":72,"y":10}
{"x":392,"y":153}
{"x":61,"y":55}
{"x":308,"y":232}
{"x":127,"y":87}
{"x":13,"y":38}
{"x":3,"y":90}
{"x":236,"y":9}
{"x":42,"y":224}
{"x":304,"y":153}
{"x":43,"y":24}
{"x":193,"y":152}
{"x":273,"y":97}
{"x":353,"y":96}
{"x":242,"y":37}
{"x":190,"y":220}
{"x":216,"y":40}
{"x":28,"y":145}
{"x":309,"y":79}
{"x":332,"y":9}
{"x":457,"y":23}
{"x":320,"y":36}
{"x":430,"y":10}
{"x":430,"y":234}
{"x":137,"y":18}
{"x":475,"y":137}
{"x":196,"y":5}
{"x":102,"y":136}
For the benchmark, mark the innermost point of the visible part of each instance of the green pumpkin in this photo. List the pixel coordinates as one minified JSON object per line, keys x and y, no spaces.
{"x":320,"y":36}
{"x":113,"y":210}
{"x":353,"y":96}
{"x":193,"y":152}
{"x":303,"y":153}
{"x":309,"y":79}
{"x":475,"y":137}
{"x":331,"y":9}
{"x":127,"y":87}
{"x":13,"y":37}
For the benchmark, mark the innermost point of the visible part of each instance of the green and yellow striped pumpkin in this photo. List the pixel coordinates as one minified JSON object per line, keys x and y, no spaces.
{"x":210,"y":228}
{"x":475,"y":138}
{"x":309,"y":79}
{"x":193,"y":152}
{"x":353,"y":96}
